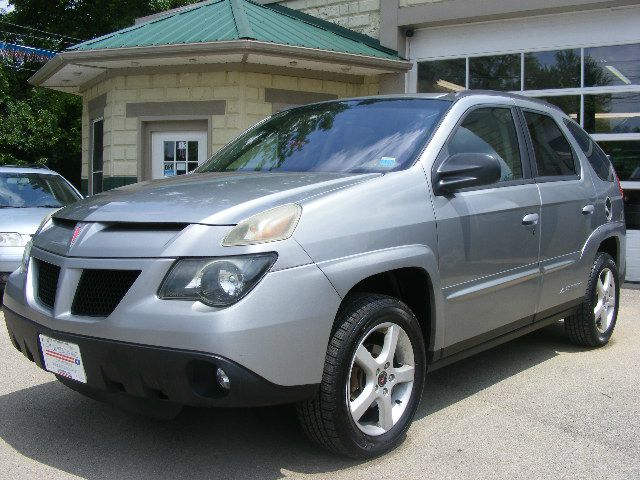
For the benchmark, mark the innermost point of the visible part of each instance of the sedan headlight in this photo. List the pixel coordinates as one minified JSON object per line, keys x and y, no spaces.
{"x":10,"y":239}
{"x":217,"y":282}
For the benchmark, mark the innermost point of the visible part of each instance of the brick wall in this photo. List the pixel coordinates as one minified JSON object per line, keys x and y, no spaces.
{"x":244,"y":93}
{"x":360,"y":15}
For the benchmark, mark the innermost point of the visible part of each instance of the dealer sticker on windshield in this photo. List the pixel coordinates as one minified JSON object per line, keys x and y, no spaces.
{"x":62,"y":358}
{"x":387,"y":162}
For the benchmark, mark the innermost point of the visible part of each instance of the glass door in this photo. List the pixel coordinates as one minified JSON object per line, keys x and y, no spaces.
{"x":177,"y":153}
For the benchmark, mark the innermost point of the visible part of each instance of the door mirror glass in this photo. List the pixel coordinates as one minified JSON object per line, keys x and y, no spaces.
{"x":465,"y":170}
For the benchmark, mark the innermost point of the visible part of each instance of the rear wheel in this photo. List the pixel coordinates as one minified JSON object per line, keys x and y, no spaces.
{"x":593,"y":323}
{"x":372,"y":380}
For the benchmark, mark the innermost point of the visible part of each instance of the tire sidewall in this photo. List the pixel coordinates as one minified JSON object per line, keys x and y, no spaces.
{"x":394,"y":311}
{"x":603,"y":260}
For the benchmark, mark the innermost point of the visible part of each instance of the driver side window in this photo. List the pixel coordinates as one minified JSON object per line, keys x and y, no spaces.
{"x":490,"y":130}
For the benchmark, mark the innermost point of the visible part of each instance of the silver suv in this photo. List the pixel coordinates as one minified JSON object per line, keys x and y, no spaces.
{"x":329,"y":256}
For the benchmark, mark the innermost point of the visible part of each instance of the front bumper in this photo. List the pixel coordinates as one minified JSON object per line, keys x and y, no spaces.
{"x":178,"y":376}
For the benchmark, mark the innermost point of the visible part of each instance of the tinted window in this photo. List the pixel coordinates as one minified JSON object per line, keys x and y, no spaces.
{"x":32,"y":190}
{"x":594,"y":154}
{"x":625,"y":157}
{"x":442,"y":75}
{"x":551,"y":148}
{"x":372,"y":135}
{"x":498,"y":72}
{"x":492,"y":131}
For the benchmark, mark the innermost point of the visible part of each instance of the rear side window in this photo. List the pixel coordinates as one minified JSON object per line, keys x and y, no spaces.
{"x":597,"y":158}
{"x":492,"y":131}
{"x":554,"y":157}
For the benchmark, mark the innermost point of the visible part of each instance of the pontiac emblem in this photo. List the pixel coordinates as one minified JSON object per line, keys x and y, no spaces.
{"x":76,"y":233}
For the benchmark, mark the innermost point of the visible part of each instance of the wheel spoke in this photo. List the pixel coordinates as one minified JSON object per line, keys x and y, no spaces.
{"x":390,"y":344}
{"x":600,"y":287}
{"x":366,"y":361}
{"x":598,"y":310}
{"x":607,"y":281}
{"x":362,"y":403}
{"x":385,"y":409}
{"x":404,"y":374}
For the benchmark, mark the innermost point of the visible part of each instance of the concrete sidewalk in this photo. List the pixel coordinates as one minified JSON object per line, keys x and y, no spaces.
{"x":536,"y":408}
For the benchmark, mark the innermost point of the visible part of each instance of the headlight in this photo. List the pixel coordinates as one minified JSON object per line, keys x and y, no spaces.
{"x":25,"y":257}
{"x":8,"y":239}
{"x":217,"y":282}
{"x":269,"y":226}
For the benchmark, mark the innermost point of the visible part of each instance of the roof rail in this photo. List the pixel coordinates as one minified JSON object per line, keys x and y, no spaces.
{"x":28,"y":165}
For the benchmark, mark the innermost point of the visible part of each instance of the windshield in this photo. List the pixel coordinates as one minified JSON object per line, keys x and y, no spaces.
{"x":369,"y":135}
{"x":32,"y":190}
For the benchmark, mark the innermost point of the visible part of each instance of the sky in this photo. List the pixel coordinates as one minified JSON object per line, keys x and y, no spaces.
{"x":4,"y":4}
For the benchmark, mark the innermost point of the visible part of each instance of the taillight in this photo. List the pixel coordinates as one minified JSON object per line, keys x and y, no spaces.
{"x":619,"y":186}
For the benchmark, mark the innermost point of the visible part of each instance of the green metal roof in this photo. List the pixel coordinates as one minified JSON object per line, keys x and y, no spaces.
{"x":224,"y":20}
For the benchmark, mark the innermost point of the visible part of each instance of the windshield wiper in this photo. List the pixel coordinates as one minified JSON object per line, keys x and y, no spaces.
{"x":46,"y":206}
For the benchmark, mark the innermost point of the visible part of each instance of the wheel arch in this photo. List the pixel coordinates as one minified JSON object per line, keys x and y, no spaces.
{"x":407,"y":273}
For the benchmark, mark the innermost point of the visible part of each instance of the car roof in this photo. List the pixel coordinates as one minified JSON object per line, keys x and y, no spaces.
{"x":452,"y":97}
{"x":27,"y":169}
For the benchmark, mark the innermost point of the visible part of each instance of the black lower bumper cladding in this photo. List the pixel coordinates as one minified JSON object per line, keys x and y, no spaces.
{"x":117,"y":371}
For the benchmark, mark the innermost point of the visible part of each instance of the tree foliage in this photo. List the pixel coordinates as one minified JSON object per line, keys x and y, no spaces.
{"x":39,"y":125}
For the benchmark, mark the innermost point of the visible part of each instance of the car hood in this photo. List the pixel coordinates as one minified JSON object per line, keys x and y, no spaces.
{"x":206,"y":198}
{"x":22,"y":220}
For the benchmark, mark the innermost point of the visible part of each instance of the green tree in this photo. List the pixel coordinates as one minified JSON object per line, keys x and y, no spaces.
{"x":39,"y":125}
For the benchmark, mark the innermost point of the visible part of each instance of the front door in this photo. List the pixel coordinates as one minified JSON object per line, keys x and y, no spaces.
{"x":177,"y":153}
{"x":488,"y":237}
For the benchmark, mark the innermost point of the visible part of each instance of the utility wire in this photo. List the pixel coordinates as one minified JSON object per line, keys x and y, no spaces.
{"x":42,"y":31}
{"x":48,"y":39}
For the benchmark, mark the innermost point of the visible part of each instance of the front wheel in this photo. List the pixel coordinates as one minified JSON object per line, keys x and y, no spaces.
{"x":593,"y":323}
{"x":372,"y":380}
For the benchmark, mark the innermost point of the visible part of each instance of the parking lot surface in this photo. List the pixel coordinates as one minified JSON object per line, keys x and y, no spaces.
{"x":537,"y":407}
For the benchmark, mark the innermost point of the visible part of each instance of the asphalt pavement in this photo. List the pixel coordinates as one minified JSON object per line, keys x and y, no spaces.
{"x":535,"y":408}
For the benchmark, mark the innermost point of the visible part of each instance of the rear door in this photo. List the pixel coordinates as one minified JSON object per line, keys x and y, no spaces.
{"x":568,"y":205}
{"x":488,"y":237}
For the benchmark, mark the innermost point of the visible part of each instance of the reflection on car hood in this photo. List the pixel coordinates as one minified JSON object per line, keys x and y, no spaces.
{"x":22,"y":220}
{"x":207,"y":198}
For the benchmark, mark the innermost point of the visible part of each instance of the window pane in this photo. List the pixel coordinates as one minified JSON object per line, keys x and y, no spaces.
{"x":625,"y":157}
{"x":181,"y":151}
{"x":551,"y":148}
{"x":552,"y":69}
{"x":615,"y":65}
{"x":191,"y":166}
{"x":442,"y":76}
{"x":594,"y":154}
{"x":192,"y":154}
{"x":612,"y":113}
{"x":169,"y":170}
{"x":491,"y":131}
{"x":499,"y":72}
{"x":98,"y":138}
{"x":169,"y":151}
{"x":569,"y":104}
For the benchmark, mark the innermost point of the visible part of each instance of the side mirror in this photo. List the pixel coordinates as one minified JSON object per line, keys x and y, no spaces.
{"x":464,"y":170}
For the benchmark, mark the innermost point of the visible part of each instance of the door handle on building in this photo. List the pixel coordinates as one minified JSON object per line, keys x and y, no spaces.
{"x":588,"y":210}
{"x":530,"y":219}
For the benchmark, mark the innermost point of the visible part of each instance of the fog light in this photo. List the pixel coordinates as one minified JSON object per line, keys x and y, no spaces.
{"x":222,"y":379}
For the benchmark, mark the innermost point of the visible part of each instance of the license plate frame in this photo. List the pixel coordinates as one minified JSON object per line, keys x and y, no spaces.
{"x":62,"y":358}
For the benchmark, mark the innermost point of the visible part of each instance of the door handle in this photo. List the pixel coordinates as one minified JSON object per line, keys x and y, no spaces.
{"x":530,"y":219}
{"x":588,"y":210}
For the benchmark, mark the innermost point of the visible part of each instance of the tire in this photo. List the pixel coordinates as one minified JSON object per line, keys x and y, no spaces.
{"x":368,"y":322}
{"x":585,"y":328}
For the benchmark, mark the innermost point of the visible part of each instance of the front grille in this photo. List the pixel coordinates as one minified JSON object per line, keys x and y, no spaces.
{"x":100,"y":291}
{"x":47,"y":282}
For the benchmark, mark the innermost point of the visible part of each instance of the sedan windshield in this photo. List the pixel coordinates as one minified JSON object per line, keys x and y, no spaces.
{"x":33,"y":190}
{"x":368,"y":135}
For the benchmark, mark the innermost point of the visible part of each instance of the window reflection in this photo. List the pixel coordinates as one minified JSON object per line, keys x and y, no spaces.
{"x":612,"y":113}
{"x":442,"y":76}
{"x":498,"y":72}
{"x":625,"y":157}
{"x":552,"y":69}
{"x":614,"y":65}
{"x":569,"y":104}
